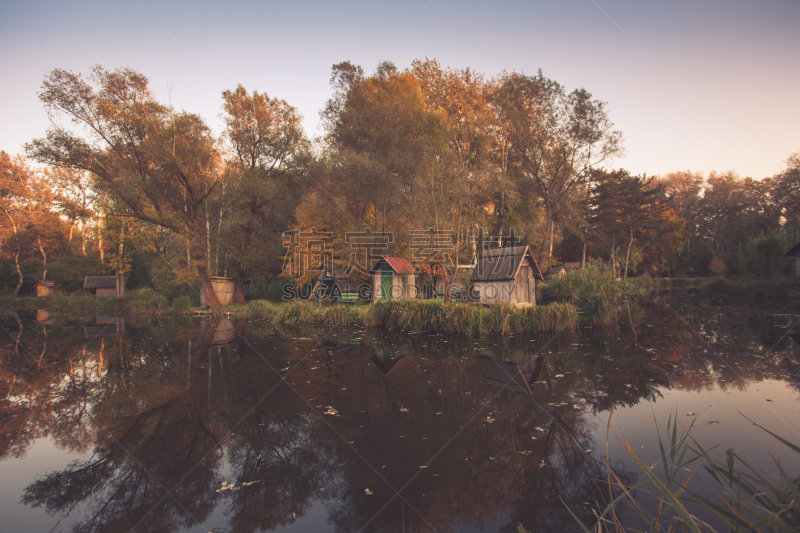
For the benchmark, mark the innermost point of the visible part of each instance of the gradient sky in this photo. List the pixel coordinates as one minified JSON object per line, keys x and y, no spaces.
{"x":692,"y":85}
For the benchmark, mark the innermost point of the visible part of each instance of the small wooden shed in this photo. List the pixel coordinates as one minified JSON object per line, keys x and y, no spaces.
{"x":561,"y":270}
{"x":507,"y":275}
{"x":105,"y":286}
{"x":393,"y":279}
{"x":44,"y":288}
{"x":337,"y":288}
{"x":795,"y":252}
{"x":223,"y":288}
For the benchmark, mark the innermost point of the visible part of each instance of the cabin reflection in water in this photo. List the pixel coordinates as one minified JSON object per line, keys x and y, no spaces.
{"x":43,"y":317}
{"x":516,"y":376}
{"x":105,"y":326}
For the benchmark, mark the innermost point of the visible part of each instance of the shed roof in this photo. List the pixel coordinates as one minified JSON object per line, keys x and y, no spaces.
{"x":794,"y":251}
{"x":50,"y":284}
{"x":502,"y":264}
{"x":398,"y":264}
{"x":102,"y":282}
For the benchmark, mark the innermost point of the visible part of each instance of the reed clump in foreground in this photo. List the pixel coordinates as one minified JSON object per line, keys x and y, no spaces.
{"x":742,"y":498}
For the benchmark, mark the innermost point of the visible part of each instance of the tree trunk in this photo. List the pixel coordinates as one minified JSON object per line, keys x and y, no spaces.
{"x":627,"y":257}
{"x":614,"y":257}
{"x":202,"y":272}
{"x":550,"y":247}
{"x":19,"y":273}
{"x":44,"y":257}
{"x":238,"y":287}
{"x":208,"y":239}
{"x":120,"y":252}
{"x":83,"y":237}
{"x":100,"y":239}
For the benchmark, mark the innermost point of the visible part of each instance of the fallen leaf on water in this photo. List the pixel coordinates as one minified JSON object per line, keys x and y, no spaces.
{"x":368,"y":492}
{"x":490,"y":420}
{"x":423,"y":466}
{"x":403,"y":410}
{"x":322,"y":489}
{"x":710,"y":422}
{"x":217,"y":530}
{"x":690,"y":414}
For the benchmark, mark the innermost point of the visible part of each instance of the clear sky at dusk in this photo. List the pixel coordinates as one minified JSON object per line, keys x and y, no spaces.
{"x":692,"y":85}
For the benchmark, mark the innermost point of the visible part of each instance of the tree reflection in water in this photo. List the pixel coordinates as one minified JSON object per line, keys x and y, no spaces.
{"x":171,"y":409}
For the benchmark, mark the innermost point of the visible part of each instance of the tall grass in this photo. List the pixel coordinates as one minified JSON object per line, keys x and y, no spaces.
{"x":439,"y":317}
{"x":263,"y":309}
{"x":77,"y":302}
{"x":594,"y":291}
{"x":744,"y":498}
{"x":181,"y":305}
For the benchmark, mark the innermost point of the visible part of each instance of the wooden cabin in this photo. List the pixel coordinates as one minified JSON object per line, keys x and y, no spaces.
{"x":223,"y":288}
{"x":561,"y":270}
{"x":795,"y":252}
{"x":393,"y":279}
{"x":105,"y":286}
{"x":507,"y":275}
{"x":337,"y":288}
{"x":44,"y":288}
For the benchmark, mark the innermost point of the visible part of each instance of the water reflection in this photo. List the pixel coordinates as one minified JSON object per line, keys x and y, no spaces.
{"x":172,"y":408}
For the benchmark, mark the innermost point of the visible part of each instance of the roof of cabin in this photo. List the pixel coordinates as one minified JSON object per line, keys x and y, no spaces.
{"x":794,"y":251}
{"x":502,"y":264}
{"x":398,"y":264}
{"x":50,"y":284}
{"x":102,"y":282}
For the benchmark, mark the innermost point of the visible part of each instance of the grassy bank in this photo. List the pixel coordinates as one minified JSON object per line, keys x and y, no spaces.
{"x":136,"y":302}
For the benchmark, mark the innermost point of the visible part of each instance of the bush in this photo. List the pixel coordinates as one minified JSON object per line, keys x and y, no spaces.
{"x":717,"y":267}
{"x":78,"y":302}
{"x":182,"y":305}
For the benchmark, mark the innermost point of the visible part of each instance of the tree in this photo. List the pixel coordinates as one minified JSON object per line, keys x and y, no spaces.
{"x":787,"y":189}
{"x":555,"y":138}
{"x":159,"y":165}
{"x":266,"y":180}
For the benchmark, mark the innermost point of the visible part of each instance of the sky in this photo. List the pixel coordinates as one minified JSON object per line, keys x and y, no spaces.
{"x":699,"y":86}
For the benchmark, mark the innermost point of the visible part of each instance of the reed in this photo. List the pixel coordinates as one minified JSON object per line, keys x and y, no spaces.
{"x":744,"y":499}
{"x":261,"y":309}
{"x":341,"y":315}
{"x":181,"y":305}
{"x":76,"y":302}
{"x":439,"y":317}
{"x":296,"y":313}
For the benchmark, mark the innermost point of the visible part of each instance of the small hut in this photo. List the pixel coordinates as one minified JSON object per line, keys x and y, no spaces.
{"x":105,"y":286}
{"x":561,"y":270}
{"x":223,"y":288}
{"x":507,"y":275}
{"x":336,"y":288}
{"x":795,"y":252}
{"x":44,"y":288}
{"x":393,"y":279}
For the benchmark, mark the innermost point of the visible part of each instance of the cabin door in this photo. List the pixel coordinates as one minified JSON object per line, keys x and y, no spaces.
{"x":387,"y":280}
{"x":524,"y":285}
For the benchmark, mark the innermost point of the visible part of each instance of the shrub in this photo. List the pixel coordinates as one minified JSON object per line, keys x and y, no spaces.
{"x":182,"y":305}
{"x":717,"y":267}
{"x":77,"y":302}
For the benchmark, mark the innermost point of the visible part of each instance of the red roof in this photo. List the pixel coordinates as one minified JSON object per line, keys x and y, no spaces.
{"x":398,"y":264}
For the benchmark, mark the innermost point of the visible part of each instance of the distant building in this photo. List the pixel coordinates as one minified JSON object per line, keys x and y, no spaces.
{"x":223,"y":288}
{"x":561,"y":270}
{"x":44,"y":288}
{"x":337,"y":288}
{"x":507,"y":275}
{"x":105,"y":286}
{"x":393,"y":279}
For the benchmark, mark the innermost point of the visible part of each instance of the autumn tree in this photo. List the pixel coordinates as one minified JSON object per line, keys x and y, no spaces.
{"x":555,"y":138}
{"x":266,"y":179}
{"x":159,"y":164}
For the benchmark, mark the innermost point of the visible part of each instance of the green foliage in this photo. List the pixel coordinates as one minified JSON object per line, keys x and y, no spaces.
{"x":594,"y":291}
{"x":763,"y":256}
{"x":263,"y":309}
{"x":78,"y":302}
{"x":341,"y":315}
{"x":182,"y":305}
{"x":295,"y":313}
{"x":439,"y":317}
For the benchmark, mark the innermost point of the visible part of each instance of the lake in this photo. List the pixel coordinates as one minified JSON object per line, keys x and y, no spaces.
{"x":181,"y":424}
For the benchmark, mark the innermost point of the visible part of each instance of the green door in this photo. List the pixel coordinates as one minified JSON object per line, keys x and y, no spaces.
{"x":387,"y":279}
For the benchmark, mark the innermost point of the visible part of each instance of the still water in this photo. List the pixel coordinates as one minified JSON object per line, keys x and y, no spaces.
{"x":180,"y":424}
